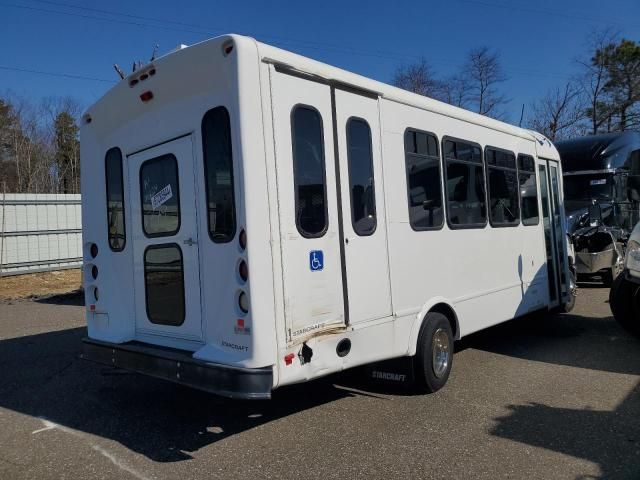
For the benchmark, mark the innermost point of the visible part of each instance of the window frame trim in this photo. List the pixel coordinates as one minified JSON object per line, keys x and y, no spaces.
{"x":177,"y":194}
{"x":231,"y":237}
{"x":488,"y":168}
{"x":438,"y":157}
{"x":158,"y":246}
{"x":536,"y":176}
{"x":124,"y":217}
{"x":468,"y":226}
{"x":323,"y":232}
{"x":373,"y":174}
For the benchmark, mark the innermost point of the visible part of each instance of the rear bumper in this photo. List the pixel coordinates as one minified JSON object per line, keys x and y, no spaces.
{"x":180,"y":367}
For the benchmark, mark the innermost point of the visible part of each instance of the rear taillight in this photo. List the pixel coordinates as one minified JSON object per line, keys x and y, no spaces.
{"x":243,"y":302}
{"x":243,"y":270}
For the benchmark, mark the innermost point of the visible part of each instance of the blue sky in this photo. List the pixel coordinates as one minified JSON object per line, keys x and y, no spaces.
{"x":538,"y":41}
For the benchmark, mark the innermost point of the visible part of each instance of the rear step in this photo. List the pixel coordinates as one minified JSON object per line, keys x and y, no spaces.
{"x":180,"y":367}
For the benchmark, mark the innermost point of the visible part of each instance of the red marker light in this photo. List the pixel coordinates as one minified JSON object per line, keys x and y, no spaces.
{"x":92,"y":307}
{"x":241,"y":322}
{"x":146,"y":96}
{"x":288,"y":358}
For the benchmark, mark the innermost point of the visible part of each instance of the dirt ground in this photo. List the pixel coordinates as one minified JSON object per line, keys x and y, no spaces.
{"x":34,"y":285}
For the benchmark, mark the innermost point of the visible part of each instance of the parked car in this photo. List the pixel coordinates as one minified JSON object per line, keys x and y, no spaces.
{"x":624,"y":297}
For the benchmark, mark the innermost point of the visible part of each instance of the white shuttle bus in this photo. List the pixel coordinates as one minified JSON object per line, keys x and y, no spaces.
{"x":253,"y":218}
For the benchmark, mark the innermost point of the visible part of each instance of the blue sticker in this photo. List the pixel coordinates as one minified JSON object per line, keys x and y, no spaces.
{"x":316,"y":260}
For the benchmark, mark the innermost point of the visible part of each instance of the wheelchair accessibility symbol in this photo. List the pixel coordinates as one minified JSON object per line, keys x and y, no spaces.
{"x":316,"y":260}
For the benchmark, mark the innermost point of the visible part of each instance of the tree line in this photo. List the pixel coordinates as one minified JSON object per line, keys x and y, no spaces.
{"x":603,"y":94}
{"x":39,"y":145}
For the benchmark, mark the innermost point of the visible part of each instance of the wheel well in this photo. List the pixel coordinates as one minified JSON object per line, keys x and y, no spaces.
{"x":448,"y":312}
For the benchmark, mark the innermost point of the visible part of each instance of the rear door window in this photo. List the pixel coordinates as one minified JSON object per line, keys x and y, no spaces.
{"x":160,"y":196}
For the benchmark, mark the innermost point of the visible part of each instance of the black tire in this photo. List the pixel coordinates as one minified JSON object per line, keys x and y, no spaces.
{"x":567,"y":307}
{"x":624,"y":300}
{"x":430,"y":375}
{"x":608,"y":277}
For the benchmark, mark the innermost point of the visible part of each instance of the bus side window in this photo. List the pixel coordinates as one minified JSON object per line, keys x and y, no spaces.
{"x":309,"y":171}
{"x":218,"y":174}
{"x":115,"y":200}
{"x":528,"y":190}
{"x":361,"y":184}
{"x":465,"y":184}
{"x":502,"y":182}
{"x":424,"y":184}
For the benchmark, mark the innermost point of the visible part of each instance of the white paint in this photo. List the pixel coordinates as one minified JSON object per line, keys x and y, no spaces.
{"x":49,"y":425}
{"x":394,"y":276}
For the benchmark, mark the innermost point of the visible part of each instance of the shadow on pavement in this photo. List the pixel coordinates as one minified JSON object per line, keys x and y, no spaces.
{"x":609,"y":439}
{"x":596,"y":343}
{"x":44,"y":378}
{"x":75,"y":297}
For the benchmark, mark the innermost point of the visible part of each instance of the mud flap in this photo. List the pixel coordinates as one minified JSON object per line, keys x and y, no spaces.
{"x":397,"y":371}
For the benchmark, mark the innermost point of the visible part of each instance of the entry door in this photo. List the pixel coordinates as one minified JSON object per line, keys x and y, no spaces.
{"x":165,"y":241}
{"x":362,"y":197}
{"x":307,"y":203}
{"x":553,"y":232}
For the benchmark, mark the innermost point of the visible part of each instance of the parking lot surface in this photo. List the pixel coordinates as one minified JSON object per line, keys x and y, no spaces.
{"x":536,"y":398}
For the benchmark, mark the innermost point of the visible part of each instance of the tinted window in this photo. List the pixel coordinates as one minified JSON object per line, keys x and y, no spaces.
{"x":309,"y":172}
{"x":423,"y":180}
{"x":465,"y":185}
{"x":504,"y":204}
{"x":115,"y":200}
{"x":160,"y":196}
{"x":218,"y":170}
{"x":164,"y":284}
{"x":361,"y":185}
{"x":528,"y":190}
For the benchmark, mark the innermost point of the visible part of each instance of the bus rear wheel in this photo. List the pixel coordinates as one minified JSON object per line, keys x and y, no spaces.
{"x":434,"y":356}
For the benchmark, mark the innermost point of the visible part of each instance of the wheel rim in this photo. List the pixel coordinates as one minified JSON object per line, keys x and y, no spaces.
{"x":441,"y":352}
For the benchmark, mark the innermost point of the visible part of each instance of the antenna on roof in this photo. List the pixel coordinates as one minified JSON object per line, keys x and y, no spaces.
{"x":133,"y":68}
{"x":153,"y":54}
{"x":119,"y":70}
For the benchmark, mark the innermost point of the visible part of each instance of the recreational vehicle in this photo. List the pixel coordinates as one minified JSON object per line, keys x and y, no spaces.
{"x":253,"y":218}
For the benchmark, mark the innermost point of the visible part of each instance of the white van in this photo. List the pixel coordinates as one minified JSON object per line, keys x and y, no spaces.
{"x":253,"y":218}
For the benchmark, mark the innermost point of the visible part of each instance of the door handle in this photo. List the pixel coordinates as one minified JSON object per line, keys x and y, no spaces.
{"x":190,"y":242}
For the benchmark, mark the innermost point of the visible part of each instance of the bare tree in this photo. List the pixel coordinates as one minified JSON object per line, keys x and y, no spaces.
{"x":484,"y":73}
{"x":455,"y":91}
{"x":559,"y":113}
{"x":594,"y":78}
{"x":30,"y":144}
{"x":418,"y":78}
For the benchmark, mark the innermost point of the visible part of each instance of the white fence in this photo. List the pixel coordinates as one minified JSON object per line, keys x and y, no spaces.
{"x":39,"y":232}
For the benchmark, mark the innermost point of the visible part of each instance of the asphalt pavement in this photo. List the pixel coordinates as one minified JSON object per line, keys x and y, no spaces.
{"x":536,"y":398}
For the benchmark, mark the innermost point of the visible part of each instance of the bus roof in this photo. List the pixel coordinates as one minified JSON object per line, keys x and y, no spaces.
{"x":330,"y":73}
{"x":283,"y":58}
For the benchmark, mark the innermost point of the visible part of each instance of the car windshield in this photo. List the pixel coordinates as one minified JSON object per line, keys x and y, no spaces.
{"x":588,"y":187}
